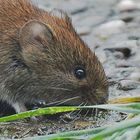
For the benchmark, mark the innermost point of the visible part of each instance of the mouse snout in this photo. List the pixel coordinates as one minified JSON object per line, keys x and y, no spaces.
{"x":94,"y":97}
{"x":101,"y":96}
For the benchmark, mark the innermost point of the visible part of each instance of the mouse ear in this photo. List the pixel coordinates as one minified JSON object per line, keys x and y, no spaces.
{"x":34,"y":38}
{"x":35,"y":32}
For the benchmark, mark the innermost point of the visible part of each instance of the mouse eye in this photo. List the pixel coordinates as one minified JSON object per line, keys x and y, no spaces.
{"x":80,"y":73}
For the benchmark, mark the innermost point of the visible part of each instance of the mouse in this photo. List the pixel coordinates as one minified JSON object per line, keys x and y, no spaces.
{"x":42,"y":57}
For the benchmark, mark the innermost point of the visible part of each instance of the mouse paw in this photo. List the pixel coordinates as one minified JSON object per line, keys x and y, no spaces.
{"x":19,"y":107}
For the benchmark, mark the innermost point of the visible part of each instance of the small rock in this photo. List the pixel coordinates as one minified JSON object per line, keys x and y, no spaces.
{"x":133,"y":37}
{"x":124,"y":64}
{"x":119,"y":55}
{"x":73,"y":7}
{"x":88,"y":20}
{"x":127,"y":5}
{"x":128,"y":85}
{"x":113,"y":24}
{"x":127,"y":18}
{"x":126,"y":52}
{"x":127,"y":47}
{"x":83,"y":123}
{"x":109,"y":28}
{"x":135,"y":76}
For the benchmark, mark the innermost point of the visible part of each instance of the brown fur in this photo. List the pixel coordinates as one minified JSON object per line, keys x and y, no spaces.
{"x":41,"y":66}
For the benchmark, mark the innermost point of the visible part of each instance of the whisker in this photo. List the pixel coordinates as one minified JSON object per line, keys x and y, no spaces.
{"x":86,"y":112}
{"x":57,"y":88}
{"x":53,"y":88}
{"x":75,"y":114}
{"x":92,"y":112}
{"x":68,"y":100}
{"x":96,"y":114}
{"x":63,"y":101}
{"x":72,"y":112}
{"x":73,"y":118}
{"x":79,"y":111}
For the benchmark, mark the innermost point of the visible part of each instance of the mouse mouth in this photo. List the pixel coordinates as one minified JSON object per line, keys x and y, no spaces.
{"x":96,"y":98}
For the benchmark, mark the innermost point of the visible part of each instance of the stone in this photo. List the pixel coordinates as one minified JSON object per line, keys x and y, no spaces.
{"x":122,"y":52}
{"x":125,"y":46}
{"x":128,"y":85}
{"x":110,"y":27}
{"x":127,"y":5}
{"x":135,"y":76}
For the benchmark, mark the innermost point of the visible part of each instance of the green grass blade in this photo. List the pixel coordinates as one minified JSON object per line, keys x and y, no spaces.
{"x":60,"y":138}
{"x":37,"y":112}
{"x":128,"y":108}
{"x":118,"y":127}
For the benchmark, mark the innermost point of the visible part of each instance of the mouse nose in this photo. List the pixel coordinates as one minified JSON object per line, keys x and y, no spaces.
{"x":95,"y":100}
{"x":96,"y":97}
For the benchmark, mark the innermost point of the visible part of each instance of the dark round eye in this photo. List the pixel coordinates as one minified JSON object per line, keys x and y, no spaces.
{"x":80,"y":73}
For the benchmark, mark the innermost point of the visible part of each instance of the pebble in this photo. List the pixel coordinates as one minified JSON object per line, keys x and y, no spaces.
{"x":89,"y":21}
{"x":127,"y":18}
{"x":135,"y":76}
{"x":110,"y":27}
{"x":122,"y":52}
{"x":72,"y":6}
{"x":127,"y":85}
{"x":125,"y":46}
{"x":124,"y":64}
{"x":119,"y":55}
{"x":127,"y":5}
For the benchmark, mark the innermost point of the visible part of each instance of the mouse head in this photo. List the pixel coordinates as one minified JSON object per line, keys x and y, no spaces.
{"x":61,"y":68}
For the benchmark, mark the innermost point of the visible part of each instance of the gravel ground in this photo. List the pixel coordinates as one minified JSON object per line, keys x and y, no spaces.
{"x":111,"y":28}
